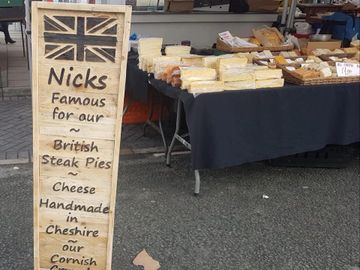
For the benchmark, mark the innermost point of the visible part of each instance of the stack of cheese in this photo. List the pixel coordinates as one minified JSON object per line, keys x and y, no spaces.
{"x":192,"y":60}
{"x":200,"y":80}
{"x":160,"y":64}
{"x":148,"y":49}
{"x":211,"y":61}
{"x":235,"y":73}
{"x":268,"y":78}
{"x":177,"y":50}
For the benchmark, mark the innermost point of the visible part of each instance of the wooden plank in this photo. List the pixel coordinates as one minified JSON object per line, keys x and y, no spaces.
{"x":78,"y":81}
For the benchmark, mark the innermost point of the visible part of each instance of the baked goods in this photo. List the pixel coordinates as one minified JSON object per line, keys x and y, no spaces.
{"x":269,"y":37}
{"x":307,"y":74}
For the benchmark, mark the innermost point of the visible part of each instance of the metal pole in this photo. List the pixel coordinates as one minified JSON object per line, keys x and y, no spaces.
{"x":284,"y":15}
{"x":290,"y":19}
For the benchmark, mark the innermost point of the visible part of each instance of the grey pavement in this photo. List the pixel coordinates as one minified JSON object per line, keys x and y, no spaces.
{"x":309,"y":221}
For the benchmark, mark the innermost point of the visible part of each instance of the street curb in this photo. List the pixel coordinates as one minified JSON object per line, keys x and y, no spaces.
{"x":15,"y":92}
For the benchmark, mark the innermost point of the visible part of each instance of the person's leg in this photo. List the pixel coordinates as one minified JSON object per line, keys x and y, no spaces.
{"x":5,"y":29}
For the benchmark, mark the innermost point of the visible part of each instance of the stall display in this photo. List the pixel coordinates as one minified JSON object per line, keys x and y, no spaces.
{"x":265,"y":38}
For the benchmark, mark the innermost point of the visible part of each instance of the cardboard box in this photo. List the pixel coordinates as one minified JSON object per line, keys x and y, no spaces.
{"x":308,"y":46}
{"x":178,"y":5}
{"x":263,"y":5}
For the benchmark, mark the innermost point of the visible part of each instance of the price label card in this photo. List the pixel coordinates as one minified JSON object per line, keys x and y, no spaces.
{"x":347,"y":69}
{"x":227,"y":37}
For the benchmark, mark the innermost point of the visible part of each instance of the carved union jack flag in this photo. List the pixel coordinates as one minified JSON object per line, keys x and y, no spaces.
{"x":91,"y":39}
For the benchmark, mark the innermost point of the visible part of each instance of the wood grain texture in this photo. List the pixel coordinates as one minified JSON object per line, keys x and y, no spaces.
{"x":78,"y":81}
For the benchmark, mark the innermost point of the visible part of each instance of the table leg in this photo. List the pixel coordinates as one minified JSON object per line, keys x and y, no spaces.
{"x":22,"y":38}
{"x":197,"y":183}
{"x":177,"y":128}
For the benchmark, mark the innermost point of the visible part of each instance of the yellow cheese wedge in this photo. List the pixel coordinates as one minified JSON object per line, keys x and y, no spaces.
{"x":209,"y":61}
{"x":233,"y":75}
{"x":240,"y":85}
{"x":231,"y":63}
{"x":268,"y":74}
{"x":197,"y":74}
{"x":206,"y":87}
{"x":270,"y":83}
{"x":177,"y":50}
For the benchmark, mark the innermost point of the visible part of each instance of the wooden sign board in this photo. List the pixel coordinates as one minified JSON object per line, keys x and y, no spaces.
{"x":78,"y":73}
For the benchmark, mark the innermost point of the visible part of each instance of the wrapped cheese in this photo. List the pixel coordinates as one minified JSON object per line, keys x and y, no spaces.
{"x":239,"y":85}
{"x":160,"y":64}
{"x":197,"y":74}
{"x":270,"y":83}
{"x":211,"y":61}
{"x":265,"y":74}
{"x":177,"y":50}
{"x":206,"y":87}
{"x":233,"y":75}
{"x":149,"y":46}
{"x":192,"y":60}
{"x":231,"y":63}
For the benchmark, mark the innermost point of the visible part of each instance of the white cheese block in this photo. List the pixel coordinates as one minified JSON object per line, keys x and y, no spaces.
{"x":325,"y":72}
{"x":192,"y":60}
{"x":149,"y":45}
{"x":268,"y":74}
{"x":164,"y":59}
{"x":206,"y":87}
{"x":239,"y":85}
{"x":185,"y":84}
{"x":233,"y":75}
{"x":177,"y":50}
{"x":270,"y":83}
{"x":197,"y":74}
{"x":231,"y":63}
{"x":209,"y":61}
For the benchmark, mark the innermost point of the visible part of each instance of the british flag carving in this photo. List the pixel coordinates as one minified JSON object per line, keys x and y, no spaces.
{"x":80,"y":38}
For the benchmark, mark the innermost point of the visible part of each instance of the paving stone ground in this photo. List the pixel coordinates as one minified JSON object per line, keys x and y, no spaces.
{"x":16,"y":133}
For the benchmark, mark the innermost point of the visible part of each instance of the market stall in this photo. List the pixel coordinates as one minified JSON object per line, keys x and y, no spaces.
{"x":259,"y":98}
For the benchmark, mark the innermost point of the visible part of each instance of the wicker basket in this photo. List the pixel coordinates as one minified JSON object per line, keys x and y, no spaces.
{"x":222,"y":46}
{"x":293,"y":78}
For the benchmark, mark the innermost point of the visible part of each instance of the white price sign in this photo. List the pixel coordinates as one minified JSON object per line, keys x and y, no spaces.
{"x":347,"y":69}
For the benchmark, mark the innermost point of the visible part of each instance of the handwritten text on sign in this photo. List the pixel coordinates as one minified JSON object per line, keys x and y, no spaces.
{"x":347,"y":69}
{"x":78,"y":86}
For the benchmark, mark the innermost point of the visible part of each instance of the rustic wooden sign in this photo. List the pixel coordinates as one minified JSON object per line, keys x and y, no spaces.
{"x":78,"y":73}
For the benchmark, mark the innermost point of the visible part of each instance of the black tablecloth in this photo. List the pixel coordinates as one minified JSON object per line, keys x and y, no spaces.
{"x":136,"y":80}
{"x":236,"y":127}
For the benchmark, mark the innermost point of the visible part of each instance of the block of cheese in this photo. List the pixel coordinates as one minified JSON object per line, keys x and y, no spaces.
{"x":231,"y":63}
{"x":164,"y":59}
{"x":238,"y":74}
{"x":146,"y":61}
{"x":249,"y":56}
{"x":270,"y":83}
{"x":264,"y":74}
{"x":206,"y":87}
{"x":177,"y":50}
{"x":197,"y":74}
{"x":192,"y":60}
{"x":209,"y":61}
{"x":325,"y":72}
{"x":149,"y":45}
{"x":239,"y":85}
{"x":185,"y":84}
